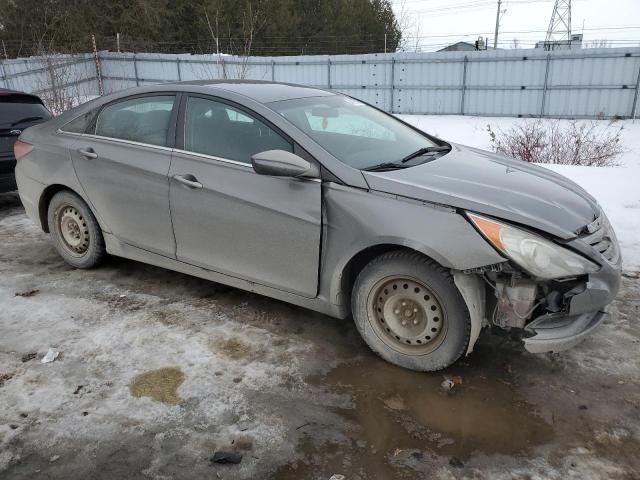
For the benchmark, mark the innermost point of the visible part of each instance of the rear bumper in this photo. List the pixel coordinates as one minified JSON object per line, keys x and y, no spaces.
{"x":7,"y":175}
{"x":8,"y":182}
{"x":30,"y":192}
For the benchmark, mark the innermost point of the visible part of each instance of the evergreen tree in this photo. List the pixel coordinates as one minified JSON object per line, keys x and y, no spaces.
{"x":241,"y":27}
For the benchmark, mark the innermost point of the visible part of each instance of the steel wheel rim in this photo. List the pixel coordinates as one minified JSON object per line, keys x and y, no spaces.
{"x":73,"y":230}
{"x":407,"y":315}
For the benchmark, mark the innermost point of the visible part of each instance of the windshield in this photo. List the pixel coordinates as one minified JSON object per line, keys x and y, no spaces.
{"x":353,"y":132}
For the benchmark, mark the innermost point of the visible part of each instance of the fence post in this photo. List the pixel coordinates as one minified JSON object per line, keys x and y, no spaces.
{"x":329,"y":72}
{"x":98,"y":68}
{"x":546,"y":85}
{"x":178,"y":67}
{"x":5,"y":80}
{"x":635,"y":97}
{"x":135,"y":69}
{"x":464,"y":84}
{"x":273,"y":70}
{"x":220,"y":63}
{"x":393,"y":84}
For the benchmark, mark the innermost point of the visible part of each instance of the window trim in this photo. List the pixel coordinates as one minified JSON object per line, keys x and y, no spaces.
{"x":126,"y":142}
{"x":95,"y":110}
{"x":182,"y":118}
{"x":206,"y":156}
{"x":171,"y":136}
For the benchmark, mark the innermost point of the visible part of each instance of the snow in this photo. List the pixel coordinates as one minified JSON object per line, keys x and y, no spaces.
{"x":617,"y":189}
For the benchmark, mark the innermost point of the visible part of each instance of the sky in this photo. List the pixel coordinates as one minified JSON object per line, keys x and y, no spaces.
{"x":433,"y":24}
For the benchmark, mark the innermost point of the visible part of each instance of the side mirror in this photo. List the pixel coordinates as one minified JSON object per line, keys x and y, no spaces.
{"x":280,"y":163}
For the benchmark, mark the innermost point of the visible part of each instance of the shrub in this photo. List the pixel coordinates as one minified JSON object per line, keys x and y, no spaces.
{"x":550,"y":141}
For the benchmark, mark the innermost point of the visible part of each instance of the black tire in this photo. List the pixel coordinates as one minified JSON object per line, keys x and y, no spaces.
{"x":82,"y":244}
{"x":420,"y":285}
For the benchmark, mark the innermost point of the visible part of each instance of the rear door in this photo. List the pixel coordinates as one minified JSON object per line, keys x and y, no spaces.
{"x":17,"y":112}
{"x":228,"y":218}
{"x":123,"y":166}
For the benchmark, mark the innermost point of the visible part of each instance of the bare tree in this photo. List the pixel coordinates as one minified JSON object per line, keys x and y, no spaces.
{"x":409,"y":28}
{"x":575,"y":143}
{"x":240,"y":46}
{"x":63,"y":81}
{"x":214,"y":34}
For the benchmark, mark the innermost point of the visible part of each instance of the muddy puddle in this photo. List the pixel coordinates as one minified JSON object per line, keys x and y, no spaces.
{"x":160,"y":385}
{"x":233,"y":348}
{"x":402,"y":418}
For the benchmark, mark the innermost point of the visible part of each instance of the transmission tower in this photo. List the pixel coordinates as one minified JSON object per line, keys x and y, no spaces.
{"x":560,"y":25}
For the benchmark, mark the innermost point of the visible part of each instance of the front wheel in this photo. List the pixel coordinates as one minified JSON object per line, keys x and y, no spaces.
{"x":409,"y":311}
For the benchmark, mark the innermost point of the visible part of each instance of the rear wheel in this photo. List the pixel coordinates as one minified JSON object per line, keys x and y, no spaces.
{"x":409,"y":311}
{"x":75,"y":231}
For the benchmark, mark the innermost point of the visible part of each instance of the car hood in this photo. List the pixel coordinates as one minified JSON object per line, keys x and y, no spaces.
{"x":483,"y":182}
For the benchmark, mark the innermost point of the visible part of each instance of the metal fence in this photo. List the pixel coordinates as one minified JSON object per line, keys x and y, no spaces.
{"x":71,"y":74}
{"x":588,"y":83}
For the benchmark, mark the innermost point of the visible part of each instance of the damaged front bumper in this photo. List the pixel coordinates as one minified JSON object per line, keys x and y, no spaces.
{"x":587,"y":310}
{"x":557,"y":333}
{"x":551,"y":314}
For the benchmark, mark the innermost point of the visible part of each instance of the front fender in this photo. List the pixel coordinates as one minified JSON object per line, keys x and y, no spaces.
{"x":356,"y":220}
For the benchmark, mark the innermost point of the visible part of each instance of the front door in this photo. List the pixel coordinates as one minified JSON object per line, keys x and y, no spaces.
{"x":229,"y":219}
{"x":123,"y":169}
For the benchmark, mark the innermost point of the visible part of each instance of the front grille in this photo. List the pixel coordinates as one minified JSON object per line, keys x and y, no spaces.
{"x":603,"y":241}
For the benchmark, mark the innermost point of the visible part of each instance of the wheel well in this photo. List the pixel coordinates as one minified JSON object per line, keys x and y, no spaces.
{"x":45,"y":199}
{"x":360,"y":260}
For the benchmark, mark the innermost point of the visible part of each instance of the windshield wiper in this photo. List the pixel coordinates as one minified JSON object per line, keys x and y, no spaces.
{"x":401,"y":164}
{"x":27,"y":119}
{"x":424,"y":151}
{"x":381,"y":167}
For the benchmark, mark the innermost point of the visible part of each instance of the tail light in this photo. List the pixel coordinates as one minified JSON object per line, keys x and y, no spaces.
{"x":20,"y":149}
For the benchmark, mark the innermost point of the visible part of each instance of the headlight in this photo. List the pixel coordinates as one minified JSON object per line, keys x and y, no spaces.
{"x":536,"y":255}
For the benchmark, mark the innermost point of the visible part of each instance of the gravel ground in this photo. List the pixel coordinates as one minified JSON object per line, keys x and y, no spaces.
{"x":158,"y":370}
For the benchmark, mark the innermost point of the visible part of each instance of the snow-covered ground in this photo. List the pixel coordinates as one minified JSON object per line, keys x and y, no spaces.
{"x":616,"y":188}
{"x":159,"y":370}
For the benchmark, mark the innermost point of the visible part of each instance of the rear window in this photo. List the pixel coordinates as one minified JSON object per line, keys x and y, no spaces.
{"x":141,"y":119}
{"x":18,"y":109}
{"x":81,"y":123}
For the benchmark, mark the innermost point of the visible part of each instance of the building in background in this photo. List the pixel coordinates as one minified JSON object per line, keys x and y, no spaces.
{"x":574,"y":43}
{"x":480,"y":44}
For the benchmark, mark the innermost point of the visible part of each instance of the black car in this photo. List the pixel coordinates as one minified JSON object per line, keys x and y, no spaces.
{"x":18,"y":110}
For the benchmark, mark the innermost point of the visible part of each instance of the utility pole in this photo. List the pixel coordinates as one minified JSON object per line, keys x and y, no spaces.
{"x":559,"y":31}
{"x":495,"y":38}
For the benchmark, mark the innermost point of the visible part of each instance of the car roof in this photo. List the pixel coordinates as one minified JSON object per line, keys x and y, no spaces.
{"x":7,"y":91}
{"x":258,"y":90}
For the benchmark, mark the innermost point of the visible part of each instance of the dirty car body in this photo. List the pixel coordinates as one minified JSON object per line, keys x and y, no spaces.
{"x":279,"y":189}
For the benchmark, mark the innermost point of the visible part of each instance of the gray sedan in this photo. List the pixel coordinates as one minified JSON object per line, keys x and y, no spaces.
{"x":326,"y":202}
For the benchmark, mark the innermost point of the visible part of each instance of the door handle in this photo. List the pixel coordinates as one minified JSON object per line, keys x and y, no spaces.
{"x":88,"y":152}
{"x":188,"y":180}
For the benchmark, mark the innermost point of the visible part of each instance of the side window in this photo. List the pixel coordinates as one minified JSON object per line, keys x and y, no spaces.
{"x":217,"y":129}
{"x":81,"y":123}
{"x":143,"y":119}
